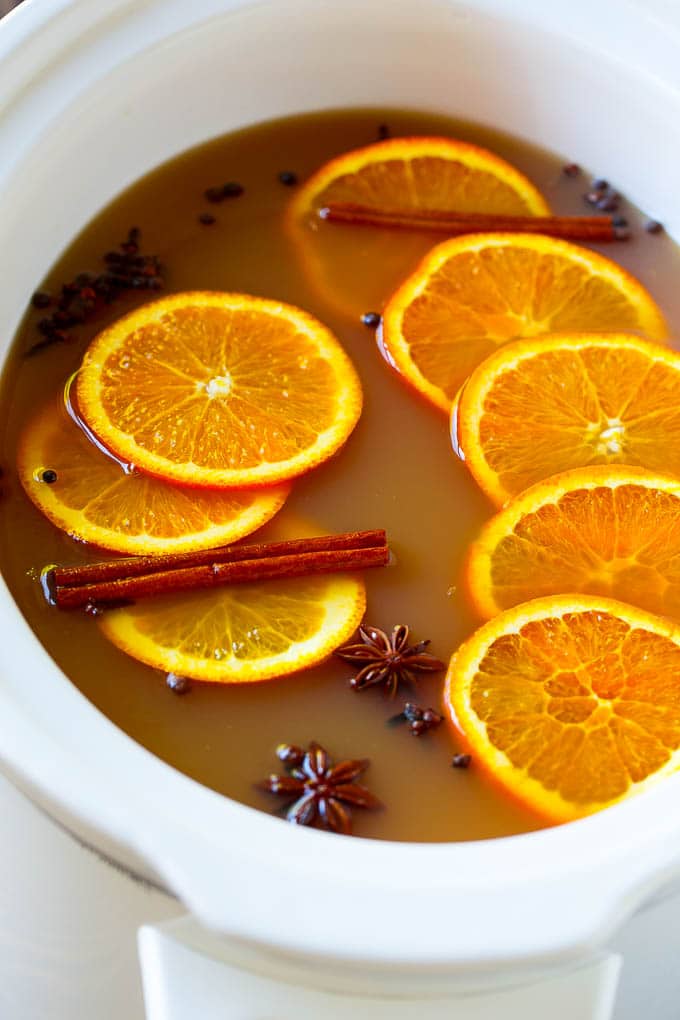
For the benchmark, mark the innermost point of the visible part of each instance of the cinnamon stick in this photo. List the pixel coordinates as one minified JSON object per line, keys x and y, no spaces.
{"x":111,"y":585}
{"x":571,"y":228}
{"x":132,"y":566}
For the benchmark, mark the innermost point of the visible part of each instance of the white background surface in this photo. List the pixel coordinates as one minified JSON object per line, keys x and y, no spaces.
{"x":68,"y":927}
{"x":68,"y":924}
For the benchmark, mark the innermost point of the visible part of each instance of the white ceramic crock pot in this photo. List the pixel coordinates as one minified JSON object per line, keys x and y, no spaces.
{"x":94,"y":93}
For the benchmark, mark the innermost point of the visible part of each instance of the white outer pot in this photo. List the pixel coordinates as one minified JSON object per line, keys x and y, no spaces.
{"x":94,"y":93}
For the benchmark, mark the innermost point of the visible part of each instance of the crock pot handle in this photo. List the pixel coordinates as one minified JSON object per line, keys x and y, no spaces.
{"x":187,"y":973}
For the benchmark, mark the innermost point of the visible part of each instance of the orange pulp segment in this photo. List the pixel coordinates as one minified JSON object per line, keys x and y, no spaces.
{"x":357,"y":268}
{"x":605,"y":530}
{"x":243,"y":633}
{"x":545,"y":405}
{"x":571,"y":703}
{"x":219,"y":390}
{"x":471,"y":294}
{"x":94,"y":500}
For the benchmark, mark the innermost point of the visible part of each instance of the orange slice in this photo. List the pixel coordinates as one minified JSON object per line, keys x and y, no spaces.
{"x":607,"y":530}
{"x":540,"y":406}
{"x":357,"y":268}
{"x":473,"y":293}
{"x":244,"y":633}
{"x":219,"y":390}
{"x":94,"y":500}
{"x":571,"y":703}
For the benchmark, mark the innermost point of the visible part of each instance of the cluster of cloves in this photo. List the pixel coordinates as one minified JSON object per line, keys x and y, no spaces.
{"x":126,"y":269}
{"x":602,"y":196}
{"x":218,"y":193}
{"x":419,"y":719}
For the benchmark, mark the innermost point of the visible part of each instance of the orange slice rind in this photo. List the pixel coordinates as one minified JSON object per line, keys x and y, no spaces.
{"x":570,"y":703}
{"x":243,"y":633}
{"x":219,"y":390}
{"x":612,"y":531}
{"x":544,"y":405}
{"x":356,"y":269}
{"x":422,"y":172}
{"x":472,"y":294}
{"x":95,"y":501}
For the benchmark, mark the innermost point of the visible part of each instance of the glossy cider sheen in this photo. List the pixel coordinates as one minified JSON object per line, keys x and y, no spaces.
{"x":398,"y":471}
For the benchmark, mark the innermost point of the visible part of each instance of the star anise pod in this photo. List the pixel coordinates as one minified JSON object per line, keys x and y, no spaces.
{"x":388,"y":660}
{"x":321,"y":792}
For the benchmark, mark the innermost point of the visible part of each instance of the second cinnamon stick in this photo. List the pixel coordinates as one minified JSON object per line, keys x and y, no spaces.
{"x":571,"y":228}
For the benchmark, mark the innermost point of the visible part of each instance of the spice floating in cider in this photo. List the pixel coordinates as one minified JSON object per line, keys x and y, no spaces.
{"x":323,"y":793}
{"x":387,"y":660}
{"x":116,"y":581}
{"x":440,"y":221}
{"x":420,"y":720}
{"x":84,"y":297}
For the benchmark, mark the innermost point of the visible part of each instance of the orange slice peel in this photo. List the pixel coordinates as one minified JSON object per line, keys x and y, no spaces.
{"x":219,"y":390}
{"x":421,"y":172}
{"x":356,"y":269}
{"x":570,"y":703}
{"x":609,"y":530}
{"x":244,"y":634}
{"x":548,"y":404}
{"x":95,"y":501}
{"x":472,"y":294}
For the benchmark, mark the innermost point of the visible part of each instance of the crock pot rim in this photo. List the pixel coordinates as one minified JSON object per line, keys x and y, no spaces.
{"x":614,"y":857}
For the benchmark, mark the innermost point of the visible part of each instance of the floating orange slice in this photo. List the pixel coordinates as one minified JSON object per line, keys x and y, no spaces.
{"x":357,"y":268}
{"x":94,"y":500}
{"x":474,"y":293}
{"x":219,"y":390}
{"x":571,"y":703}
{"x":242,"y":634}
{"x":606,"y":530}
{"x":545,"y":405}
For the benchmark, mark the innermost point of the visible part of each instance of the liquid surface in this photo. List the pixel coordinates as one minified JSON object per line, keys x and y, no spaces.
{"x":398,"y":471}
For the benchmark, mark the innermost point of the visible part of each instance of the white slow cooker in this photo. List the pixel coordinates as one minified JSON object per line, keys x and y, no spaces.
{"x":93,"y":93}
